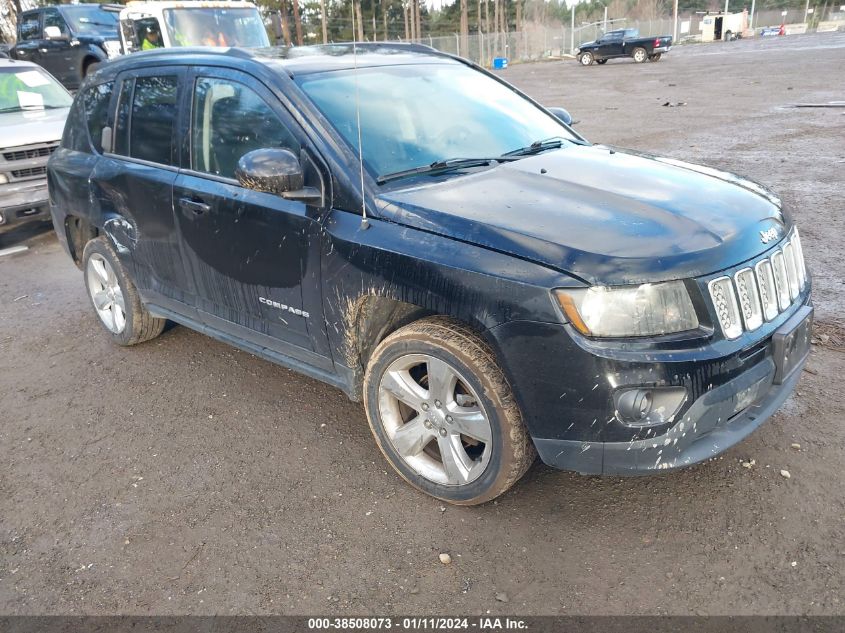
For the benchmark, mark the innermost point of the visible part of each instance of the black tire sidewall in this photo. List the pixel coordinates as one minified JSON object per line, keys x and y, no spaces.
{"x":103,"y":248}
{"x":474,"y":492}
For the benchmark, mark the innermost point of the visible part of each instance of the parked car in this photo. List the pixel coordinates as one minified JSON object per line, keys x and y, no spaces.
{"x":489,"y":283}
{"x":68,"y":40}
{"x":623,"y":43}
{"x":33,"y":109}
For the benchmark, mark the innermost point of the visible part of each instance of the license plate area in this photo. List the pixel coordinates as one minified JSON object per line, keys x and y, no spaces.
{"x":791,"y":343}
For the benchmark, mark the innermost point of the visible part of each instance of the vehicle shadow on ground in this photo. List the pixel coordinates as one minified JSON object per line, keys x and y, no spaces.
{"x":18,"y":236}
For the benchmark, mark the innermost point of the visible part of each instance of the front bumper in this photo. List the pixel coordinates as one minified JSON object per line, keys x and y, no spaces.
{"x":708,"y":428}
{"x":565,"y":388}
{"x":23,"y":202}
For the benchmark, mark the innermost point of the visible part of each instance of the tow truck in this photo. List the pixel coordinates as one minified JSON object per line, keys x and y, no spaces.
{"x":149,"y":25}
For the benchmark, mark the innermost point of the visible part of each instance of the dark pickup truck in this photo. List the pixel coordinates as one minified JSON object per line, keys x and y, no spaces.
{"x":623,"y":43}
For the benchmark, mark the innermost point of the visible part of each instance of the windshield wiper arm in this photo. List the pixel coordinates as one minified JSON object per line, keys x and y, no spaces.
{"x":441,"y":166}
{"x":537,"y":146}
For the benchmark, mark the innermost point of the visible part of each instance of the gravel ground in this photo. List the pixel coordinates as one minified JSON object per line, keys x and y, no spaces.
{"x":184,"y":476}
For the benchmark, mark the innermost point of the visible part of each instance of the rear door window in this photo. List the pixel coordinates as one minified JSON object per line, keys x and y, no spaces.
{"x":145,"y":125}
{"x":153,"y":119}
{"x":30,"y":27}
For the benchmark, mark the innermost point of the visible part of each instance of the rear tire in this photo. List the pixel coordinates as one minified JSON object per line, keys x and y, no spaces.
{"x":114,"y":297}
{"x":655,"y":57}
{"x":443,"y":414}
{"x":601,"y":61}
{"x":586,"y":59}
{"x":639,"y":54}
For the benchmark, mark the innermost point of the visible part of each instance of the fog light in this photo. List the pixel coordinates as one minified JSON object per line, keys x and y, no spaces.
{"x":2,"y":219}
{"x":648,"y":407}
{"x":634,"y":404}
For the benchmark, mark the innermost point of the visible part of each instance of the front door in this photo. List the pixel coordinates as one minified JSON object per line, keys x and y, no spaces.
{"x":56,"y":55}
{"x":248,"y":251}
{"x":610,"y":45}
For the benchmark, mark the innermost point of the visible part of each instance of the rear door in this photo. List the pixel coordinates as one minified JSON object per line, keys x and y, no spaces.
{"x":249,"y":251}
{"x":29,"y":37}
{"x":135,"y":180}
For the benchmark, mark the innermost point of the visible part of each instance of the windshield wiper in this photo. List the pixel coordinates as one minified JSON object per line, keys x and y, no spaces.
{"x":538,"y":146}
{"x":442,"y":166}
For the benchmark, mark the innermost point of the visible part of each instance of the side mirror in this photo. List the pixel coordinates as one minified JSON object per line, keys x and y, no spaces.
{"x":562,"y":115}
{"x":54,"y":33}
{"x":276,"y":171}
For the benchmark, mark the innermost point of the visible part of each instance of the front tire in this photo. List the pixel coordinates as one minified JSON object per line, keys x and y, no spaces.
{"x":443,"y":414}
{"x":115,"y":298}
{"x":586,"y":59}
{"x":640,"y":55}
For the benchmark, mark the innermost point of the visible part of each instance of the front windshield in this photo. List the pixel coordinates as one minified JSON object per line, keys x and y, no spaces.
{"x":216,"y":27}
{"x":414,"y":115}
{"x":89,"y":20}
{"x":30,"y":88}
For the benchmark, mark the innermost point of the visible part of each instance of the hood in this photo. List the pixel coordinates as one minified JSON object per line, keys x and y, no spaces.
{"x":590,"y":43}
{"x":606,"y":216}
{"x":32,"y":126}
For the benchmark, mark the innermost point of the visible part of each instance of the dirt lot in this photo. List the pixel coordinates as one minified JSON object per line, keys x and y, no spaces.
{"x":183,"y":476}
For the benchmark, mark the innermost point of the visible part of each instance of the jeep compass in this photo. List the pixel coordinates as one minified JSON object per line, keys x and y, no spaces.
{"x":411,"y":229}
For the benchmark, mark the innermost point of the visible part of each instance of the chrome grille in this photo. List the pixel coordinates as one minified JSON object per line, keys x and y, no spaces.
{"x":27,"y":153}
{"x":760,"y":293}
{"x":31,"y":172}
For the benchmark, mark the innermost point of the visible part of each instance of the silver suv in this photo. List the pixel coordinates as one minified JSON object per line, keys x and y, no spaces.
{"x":33,"y":109}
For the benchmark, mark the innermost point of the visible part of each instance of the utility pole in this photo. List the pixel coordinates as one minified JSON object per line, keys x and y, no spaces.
{"x":572,"y":29}
{"x":726,"y":6}
{"x":360,"y":20}
{"x":480,"y":37}
{"x":605,"y":15}
{"x":806,"y":11}
{"x":324,"y":21}
{"x":283,"y":13}
{"x":675,"y":24}
{"x":297,"y":22}
{"x":464,"y":29}
{"x":751,"y":19}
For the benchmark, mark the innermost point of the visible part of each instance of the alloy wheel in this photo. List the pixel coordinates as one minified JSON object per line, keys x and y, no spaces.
{"x":106,"y":294}
{"x":435,"y":420}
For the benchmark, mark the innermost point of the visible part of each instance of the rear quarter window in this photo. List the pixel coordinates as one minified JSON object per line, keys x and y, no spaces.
{"x":96,"y":102}
{"x":75,"y":137}
{"x":87,"y":117}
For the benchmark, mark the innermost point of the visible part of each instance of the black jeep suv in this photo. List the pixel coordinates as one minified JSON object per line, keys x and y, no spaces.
{"x":68,"y":40}
{"x":409,"y":228}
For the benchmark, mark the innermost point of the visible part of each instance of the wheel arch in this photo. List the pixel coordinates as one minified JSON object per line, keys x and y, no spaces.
{"x":79,"y":231}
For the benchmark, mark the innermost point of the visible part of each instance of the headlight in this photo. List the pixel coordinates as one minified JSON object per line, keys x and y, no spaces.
{"x":646,"y":310}
{"x":112,"y":48}
{"x":3,"y":179}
